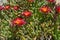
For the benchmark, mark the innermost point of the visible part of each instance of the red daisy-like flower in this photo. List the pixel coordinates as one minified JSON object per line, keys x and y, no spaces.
{"x":18,"y":21}
{"x":16,"y":7}
{"x":52,"y":1}
{"x":57,"y":9}
{"x":27,"y":13}
{"x":45,"y":9}
{"x":1,"y":7}
{"x":7,"y":7}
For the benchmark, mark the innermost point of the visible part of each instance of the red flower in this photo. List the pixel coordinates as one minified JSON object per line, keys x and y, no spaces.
{"x":16,"y":7}
{"x":45,"y":9}
{"x":1,"y":7}
{"x":26,"y":13}
{"x":18,"y":21}
{"x":58,"y":9}
{"x":30,"y":1}
{"x":7,"y":7}
{"x":52,"y":1}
